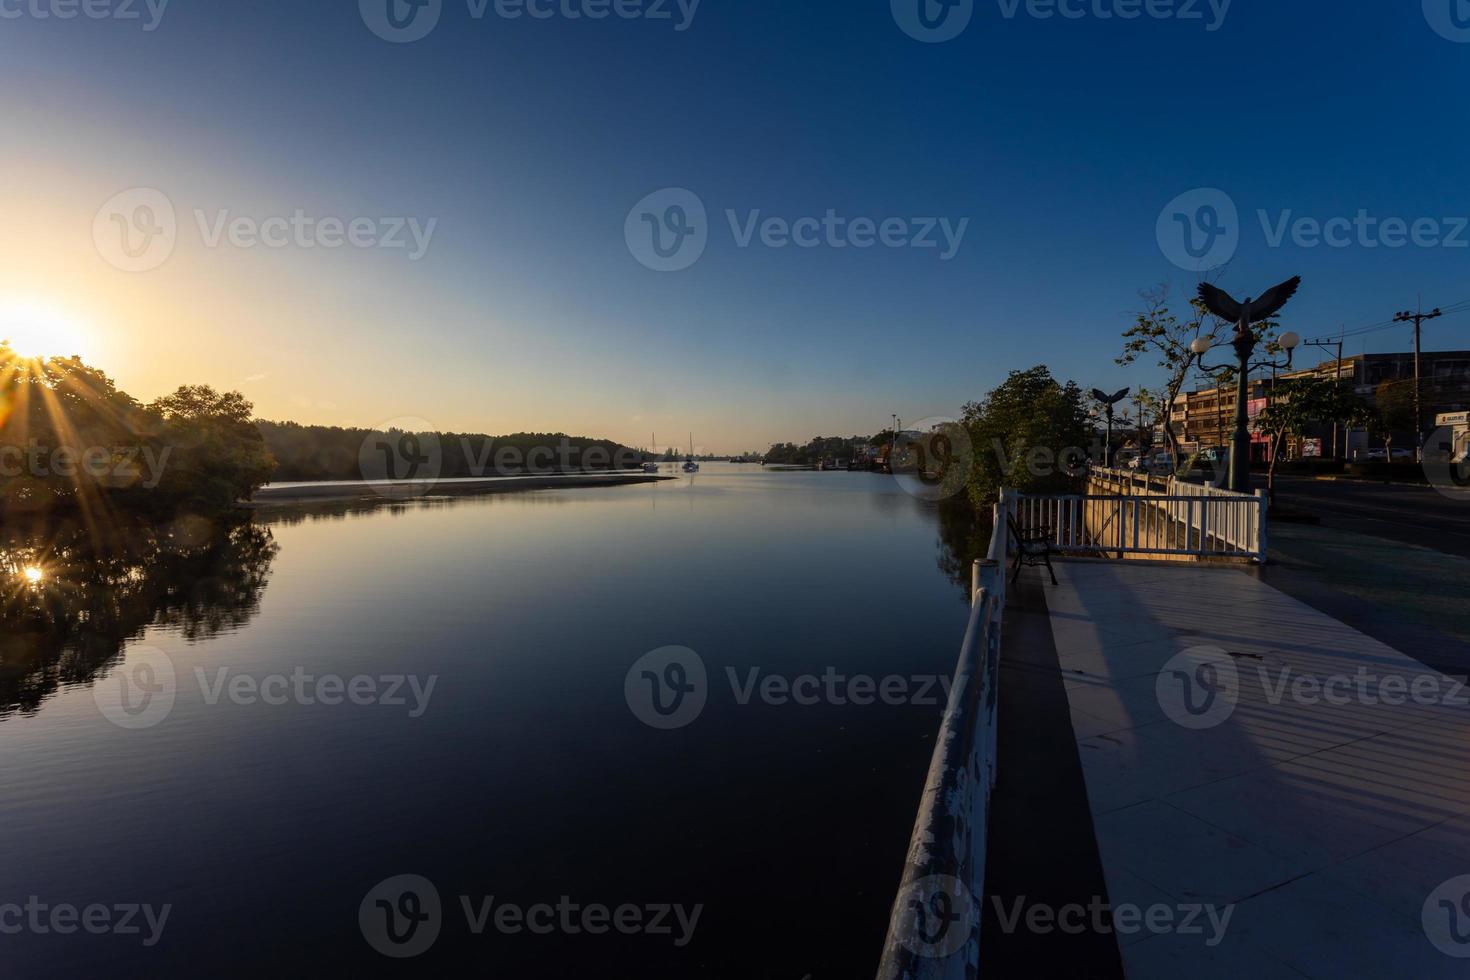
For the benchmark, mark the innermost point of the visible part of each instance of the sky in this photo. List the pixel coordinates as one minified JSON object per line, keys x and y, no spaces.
{"x":1044,"y":157}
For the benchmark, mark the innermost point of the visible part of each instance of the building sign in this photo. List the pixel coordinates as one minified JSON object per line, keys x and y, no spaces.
{"x":1253,"y":408}
{"x":1453,"y":418}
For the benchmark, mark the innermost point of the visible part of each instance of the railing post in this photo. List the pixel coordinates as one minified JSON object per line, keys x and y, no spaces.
{"x":1261,"y":526}
{"x":990,"y":579}
{"x":1204,"y":526}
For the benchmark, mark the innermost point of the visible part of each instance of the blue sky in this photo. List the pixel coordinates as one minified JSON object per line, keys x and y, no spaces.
{"x":528,"y":141}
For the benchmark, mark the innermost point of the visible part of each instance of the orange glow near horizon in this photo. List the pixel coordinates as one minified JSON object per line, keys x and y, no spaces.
{"x":37,"y":330}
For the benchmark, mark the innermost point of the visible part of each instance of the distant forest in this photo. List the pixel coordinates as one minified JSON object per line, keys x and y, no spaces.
{"x":837,"y":447}
{"x":71,"y":440}
{"x":319,"y":452}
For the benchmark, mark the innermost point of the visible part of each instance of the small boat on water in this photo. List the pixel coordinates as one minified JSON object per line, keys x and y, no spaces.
{"x":652,"y":467}
{"x":690,"y":466}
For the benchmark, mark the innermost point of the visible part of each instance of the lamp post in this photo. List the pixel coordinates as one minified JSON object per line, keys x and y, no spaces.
{"x":1244,"y":315}
{"x":1244,"y":344}
{"x":1108,"y":401}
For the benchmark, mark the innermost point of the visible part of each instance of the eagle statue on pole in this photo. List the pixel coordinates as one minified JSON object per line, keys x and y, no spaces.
{"x":1253,"y":310}
{"x":1110,"y":400}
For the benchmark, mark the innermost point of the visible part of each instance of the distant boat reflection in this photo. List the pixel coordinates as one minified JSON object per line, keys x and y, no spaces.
{"x":72,"y":597}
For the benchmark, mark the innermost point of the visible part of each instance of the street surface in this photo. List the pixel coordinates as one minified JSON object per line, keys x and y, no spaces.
{"x":1412,"y":515}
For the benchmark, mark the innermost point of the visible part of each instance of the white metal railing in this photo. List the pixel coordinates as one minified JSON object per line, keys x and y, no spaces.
{"x":934,"y":927}
{"x":1182,"y":519}
{"x":1127,"y":481}
{"x":1242,"y":523}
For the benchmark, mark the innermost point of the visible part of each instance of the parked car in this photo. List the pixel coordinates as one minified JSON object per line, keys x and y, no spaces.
{"x":1400,"y":453}
{"x":1163,"y":463}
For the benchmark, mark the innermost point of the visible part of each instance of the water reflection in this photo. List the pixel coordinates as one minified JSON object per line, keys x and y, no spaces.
{"x":71,"y":596}
{"x":964,"y":536}
{"x":531,"y":609}
{"x":365,"y":508}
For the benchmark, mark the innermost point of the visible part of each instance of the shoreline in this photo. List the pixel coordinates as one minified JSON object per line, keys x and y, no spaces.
{"x":295,"y":493}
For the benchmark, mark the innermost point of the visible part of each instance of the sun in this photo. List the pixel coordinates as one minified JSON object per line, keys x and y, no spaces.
{"x":36,"y":330}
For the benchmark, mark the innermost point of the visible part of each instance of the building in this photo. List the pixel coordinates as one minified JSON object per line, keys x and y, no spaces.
{"x":1205,"y":418}
{"x":1444,"y":386}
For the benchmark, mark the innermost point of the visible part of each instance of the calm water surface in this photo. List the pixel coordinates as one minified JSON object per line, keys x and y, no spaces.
{"x":525,"y":775}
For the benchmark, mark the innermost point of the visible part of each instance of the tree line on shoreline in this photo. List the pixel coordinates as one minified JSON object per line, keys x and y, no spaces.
{"x":71,"y":440}
{"x":823,"y":447}
{"x":323,"y":452}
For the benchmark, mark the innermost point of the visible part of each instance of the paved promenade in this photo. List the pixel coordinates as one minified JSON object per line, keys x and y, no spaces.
{"x":1240,"y":749}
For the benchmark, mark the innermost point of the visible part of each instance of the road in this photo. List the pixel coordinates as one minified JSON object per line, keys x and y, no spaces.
{"x":1413,"y":515}
{"x":1390,"y":561}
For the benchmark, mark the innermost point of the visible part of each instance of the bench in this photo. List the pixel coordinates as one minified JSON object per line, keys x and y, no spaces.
{"x":1033,"y":547}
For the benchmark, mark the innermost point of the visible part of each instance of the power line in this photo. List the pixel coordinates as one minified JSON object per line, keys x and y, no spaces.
{"x":1460,"y":307}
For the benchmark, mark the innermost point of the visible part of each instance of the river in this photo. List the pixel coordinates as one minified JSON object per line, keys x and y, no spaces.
{"x":263,"y":728}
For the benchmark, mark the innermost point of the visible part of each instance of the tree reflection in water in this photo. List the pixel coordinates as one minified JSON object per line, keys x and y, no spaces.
{"x":964,"y":537}
{"x":71,"y":597}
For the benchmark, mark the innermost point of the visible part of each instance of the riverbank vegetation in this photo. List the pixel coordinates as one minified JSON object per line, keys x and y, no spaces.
{"x":823,"y":447}
{"x":323,"y":452}
{"x":71,"y":441}
{"x":1030,"y":433}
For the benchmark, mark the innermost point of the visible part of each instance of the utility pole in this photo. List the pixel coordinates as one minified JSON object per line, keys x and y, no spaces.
{"x":1417,"y":319}
{"x":1138,"y":404}
{"x":1336,"y":377}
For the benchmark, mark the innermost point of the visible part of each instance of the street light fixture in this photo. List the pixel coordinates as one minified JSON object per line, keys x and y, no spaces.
{"x":1108,"y":401}
{"x":1244,"y":315}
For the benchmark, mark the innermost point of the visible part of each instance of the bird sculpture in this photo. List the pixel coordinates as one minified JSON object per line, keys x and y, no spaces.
{"x":1253,"y":310}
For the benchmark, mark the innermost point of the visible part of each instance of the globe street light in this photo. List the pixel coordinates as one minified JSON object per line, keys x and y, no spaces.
{"x":1244,"y":315}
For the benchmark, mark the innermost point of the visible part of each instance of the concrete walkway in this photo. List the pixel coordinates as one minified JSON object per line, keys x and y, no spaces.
{"x":1286,"y":765}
